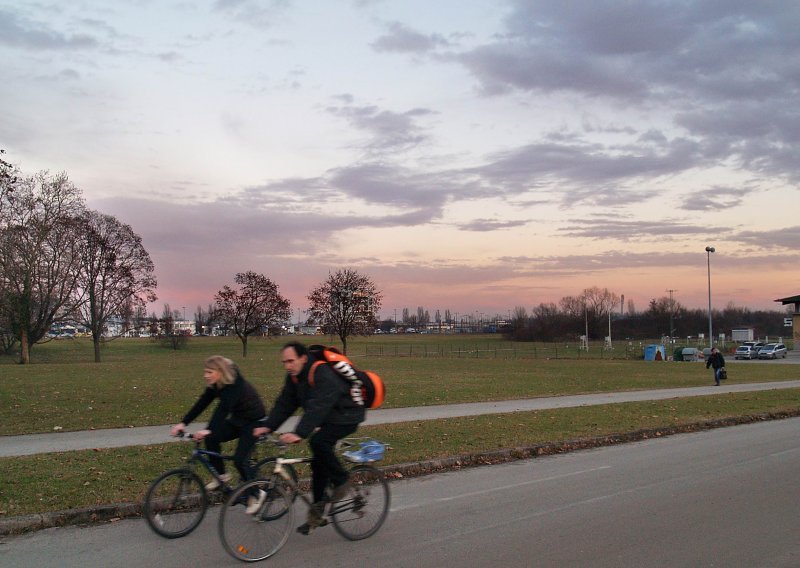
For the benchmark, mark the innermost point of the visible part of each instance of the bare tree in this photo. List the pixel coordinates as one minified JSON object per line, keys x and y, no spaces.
{"x":347,"y":303}
{"x":254,"y":306}
{"x":116,"y":274}
{"x":38,"y":255}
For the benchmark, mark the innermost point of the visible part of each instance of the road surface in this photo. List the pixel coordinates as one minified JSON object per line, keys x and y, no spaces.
{"x":725,"y":497}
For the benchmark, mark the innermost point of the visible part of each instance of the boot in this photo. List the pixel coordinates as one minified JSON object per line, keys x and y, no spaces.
{"x":315,"y":518}
{"x":341,"y":491}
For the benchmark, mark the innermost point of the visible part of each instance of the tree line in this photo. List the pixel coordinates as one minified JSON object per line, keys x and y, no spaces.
{"x":593,"y":311}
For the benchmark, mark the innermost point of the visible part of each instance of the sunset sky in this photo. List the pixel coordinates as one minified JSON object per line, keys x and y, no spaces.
{"x":467,"y":155}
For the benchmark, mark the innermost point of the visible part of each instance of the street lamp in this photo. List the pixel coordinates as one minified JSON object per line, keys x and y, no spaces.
{"x":709,"y":250}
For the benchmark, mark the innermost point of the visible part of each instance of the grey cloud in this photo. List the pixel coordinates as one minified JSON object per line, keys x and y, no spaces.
{"x":253,"y":12}
{"x":733,"y":64}
{"x":624,"y":260}
{"x":622,"y":230}
{"x":403,"y":39}
{"x":488,"y":225}
{"x":27,"y":34}
{"x":788,"y":238}
{"x":390,"y":130}
{"x":715,"y":199}
{"x":594,"y":173}
{"x":388,"y":185}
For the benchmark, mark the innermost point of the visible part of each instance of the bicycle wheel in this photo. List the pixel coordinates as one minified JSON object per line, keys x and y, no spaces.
{"x":251,"y":538}
{"x":363,"y":511}
{"x":175,"y":503}
{"x":265,"y":470}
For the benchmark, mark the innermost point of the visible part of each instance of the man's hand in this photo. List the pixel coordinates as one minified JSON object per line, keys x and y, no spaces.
{"x":200,"y":434}
{"x":260,"y":431}
{"x":290,"y":438}
{"x":177,"y":429}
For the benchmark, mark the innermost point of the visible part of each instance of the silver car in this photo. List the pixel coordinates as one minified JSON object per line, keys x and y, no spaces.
{"x":772,"y":351}
{"x":745,"y":352}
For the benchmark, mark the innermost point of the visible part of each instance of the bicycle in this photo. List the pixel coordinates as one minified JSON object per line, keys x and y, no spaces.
{"x":177,"y":500}
{"x":254,"y":537}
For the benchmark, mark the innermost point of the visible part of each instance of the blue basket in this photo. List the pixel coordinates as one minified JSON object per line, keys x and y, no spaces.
{"x":369,"y":451}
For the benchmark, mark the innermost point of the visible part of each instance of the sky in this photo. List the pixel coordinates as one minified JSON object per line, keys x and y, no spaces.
{"x":472,"y":156}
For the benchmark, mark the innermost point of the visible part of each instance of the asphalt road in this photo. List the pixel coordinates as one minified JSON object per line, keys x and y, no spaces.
{"x":724,"y":497}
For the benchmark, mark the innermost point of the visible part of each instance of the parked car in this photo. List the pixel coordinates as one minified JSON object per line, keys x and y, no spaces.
{"x":757,"y":345}
{"x":745,"y":352}
{"x":772,"y":351}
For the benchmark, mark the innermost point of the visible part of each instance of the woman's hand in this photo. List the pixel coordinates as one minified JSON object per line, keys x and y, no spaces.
{"x":260,"y":431}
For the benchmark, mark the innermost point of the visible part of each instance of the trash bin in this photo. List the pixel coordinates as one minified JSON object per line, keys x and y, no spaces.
{"x":691,"y":354}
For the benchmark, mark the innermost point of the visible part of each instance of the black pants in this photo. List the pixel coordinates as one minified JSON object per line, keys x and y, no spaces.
{"x":241,"y":457}
{"x":325,"y":466}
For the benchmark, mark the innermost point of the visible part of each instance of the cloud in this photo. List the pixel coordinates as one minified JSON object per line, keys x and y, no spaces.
{"x":715,"y":199}
{"x":786,"y":238}
{"x":622,"y":230}
{"x":730,"y":64}
{"x":402,"y":39}
{"x":19,"y":32}
{"x":253,"y":12}
{"x":389,"y":131}
{"x":487,"y":225}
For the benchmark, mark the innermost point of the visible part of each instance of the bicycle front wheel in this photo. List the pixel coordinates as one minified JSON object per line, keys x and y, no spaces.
{"x":361,"y":513}
{"x":256,"y":536}
{"x":265,"y":469}
{"x":175,"y":503}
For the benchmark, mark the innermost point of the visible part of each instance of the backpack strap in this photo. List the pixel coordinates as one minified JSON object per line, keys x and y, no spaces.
{"x":311,"y":372}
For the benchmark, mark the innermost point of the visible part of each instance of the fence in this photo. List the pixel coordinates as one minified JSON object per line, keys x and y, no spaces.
{"x":504,"y":351}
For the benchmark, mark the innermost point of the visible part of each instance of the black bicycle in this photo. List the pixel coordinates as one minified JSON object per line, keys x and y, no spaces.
{"x":251,"y":537}
{"x":177,"y":500}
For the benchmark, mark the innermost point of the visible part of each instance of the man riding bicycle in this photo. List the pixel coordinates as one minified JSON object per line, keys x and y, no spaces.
{"x":329,"y":414}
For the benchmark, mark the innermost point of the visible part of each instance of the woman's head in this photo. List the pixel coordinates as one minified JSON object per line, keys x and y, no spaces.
{"x":219,"y":371}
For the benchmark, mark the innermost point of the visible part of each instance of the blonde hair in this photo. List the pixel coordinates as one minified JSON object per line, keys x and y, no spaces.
{"x":224,"y":366}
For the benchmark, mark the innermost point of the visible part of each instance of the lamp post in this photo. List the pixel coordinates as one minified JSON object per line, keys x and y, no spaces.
{"x":709,"y":250}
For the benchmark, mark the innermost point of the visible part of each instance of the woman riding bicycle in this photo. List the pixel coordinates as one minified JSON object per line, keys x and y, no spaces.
{"x":237,"y":414}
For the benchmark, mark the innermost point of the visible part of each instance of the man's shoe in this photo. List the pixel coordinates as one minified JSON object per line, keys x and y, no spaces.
{"x":314,"y":519}
{"x":341,"y":491}
{"x":214,"y":484}
{"x":254,"y":503}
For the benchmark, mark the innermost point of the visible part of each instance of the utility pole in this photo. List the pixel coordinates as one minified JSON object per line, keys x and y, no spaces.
{"x":671,"y":312}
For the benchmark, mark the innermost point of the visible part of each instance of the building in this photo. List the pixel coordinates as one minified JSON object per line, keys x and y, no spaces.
{"x":794,"y":322}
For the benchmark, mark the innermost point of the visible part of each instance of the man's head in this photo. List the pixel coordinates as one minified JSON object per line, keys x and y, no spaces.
{"x":294,"y":357}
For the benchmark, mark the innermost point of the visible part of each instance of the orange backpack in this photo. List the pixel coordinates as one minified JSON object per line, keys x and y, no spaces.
{"x":366,"y":387}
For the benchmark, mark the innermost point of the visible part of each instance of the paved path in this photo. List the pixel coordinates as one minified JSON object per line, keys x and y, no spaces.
{"x":117,"y":437}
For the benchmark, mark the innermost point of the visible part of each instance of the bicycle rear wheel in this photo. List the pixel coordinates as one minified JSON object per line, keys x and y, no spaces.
{"x":175,"y":503}
{"x":251,"y":538}
{"x":363,"y":511}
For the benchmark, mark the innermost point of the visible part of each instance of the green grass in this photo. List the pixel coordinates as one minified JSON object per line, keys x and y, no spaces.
{"x":140,"y":384}
{"x":59,"y":481}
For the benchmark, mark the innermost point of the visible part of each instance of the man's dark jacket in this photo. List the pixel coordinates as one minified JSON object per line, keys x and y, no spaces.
{"x":326,"y":401}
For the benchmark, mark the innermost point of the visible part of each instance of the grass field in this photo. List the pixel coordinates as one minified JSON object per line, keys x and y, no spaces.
{"x":140,"y":383}
{"x":59,"y":481}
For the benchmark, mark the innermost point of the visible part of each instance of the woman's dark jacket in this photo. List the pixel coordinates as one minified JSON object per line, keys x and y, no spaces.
{"x":239,"y":403}
{"x":326,"y":401}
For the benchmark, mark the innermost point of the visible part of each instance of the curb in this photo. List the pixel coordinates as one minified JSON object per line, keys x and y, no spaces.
{"x":118,"y":511}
